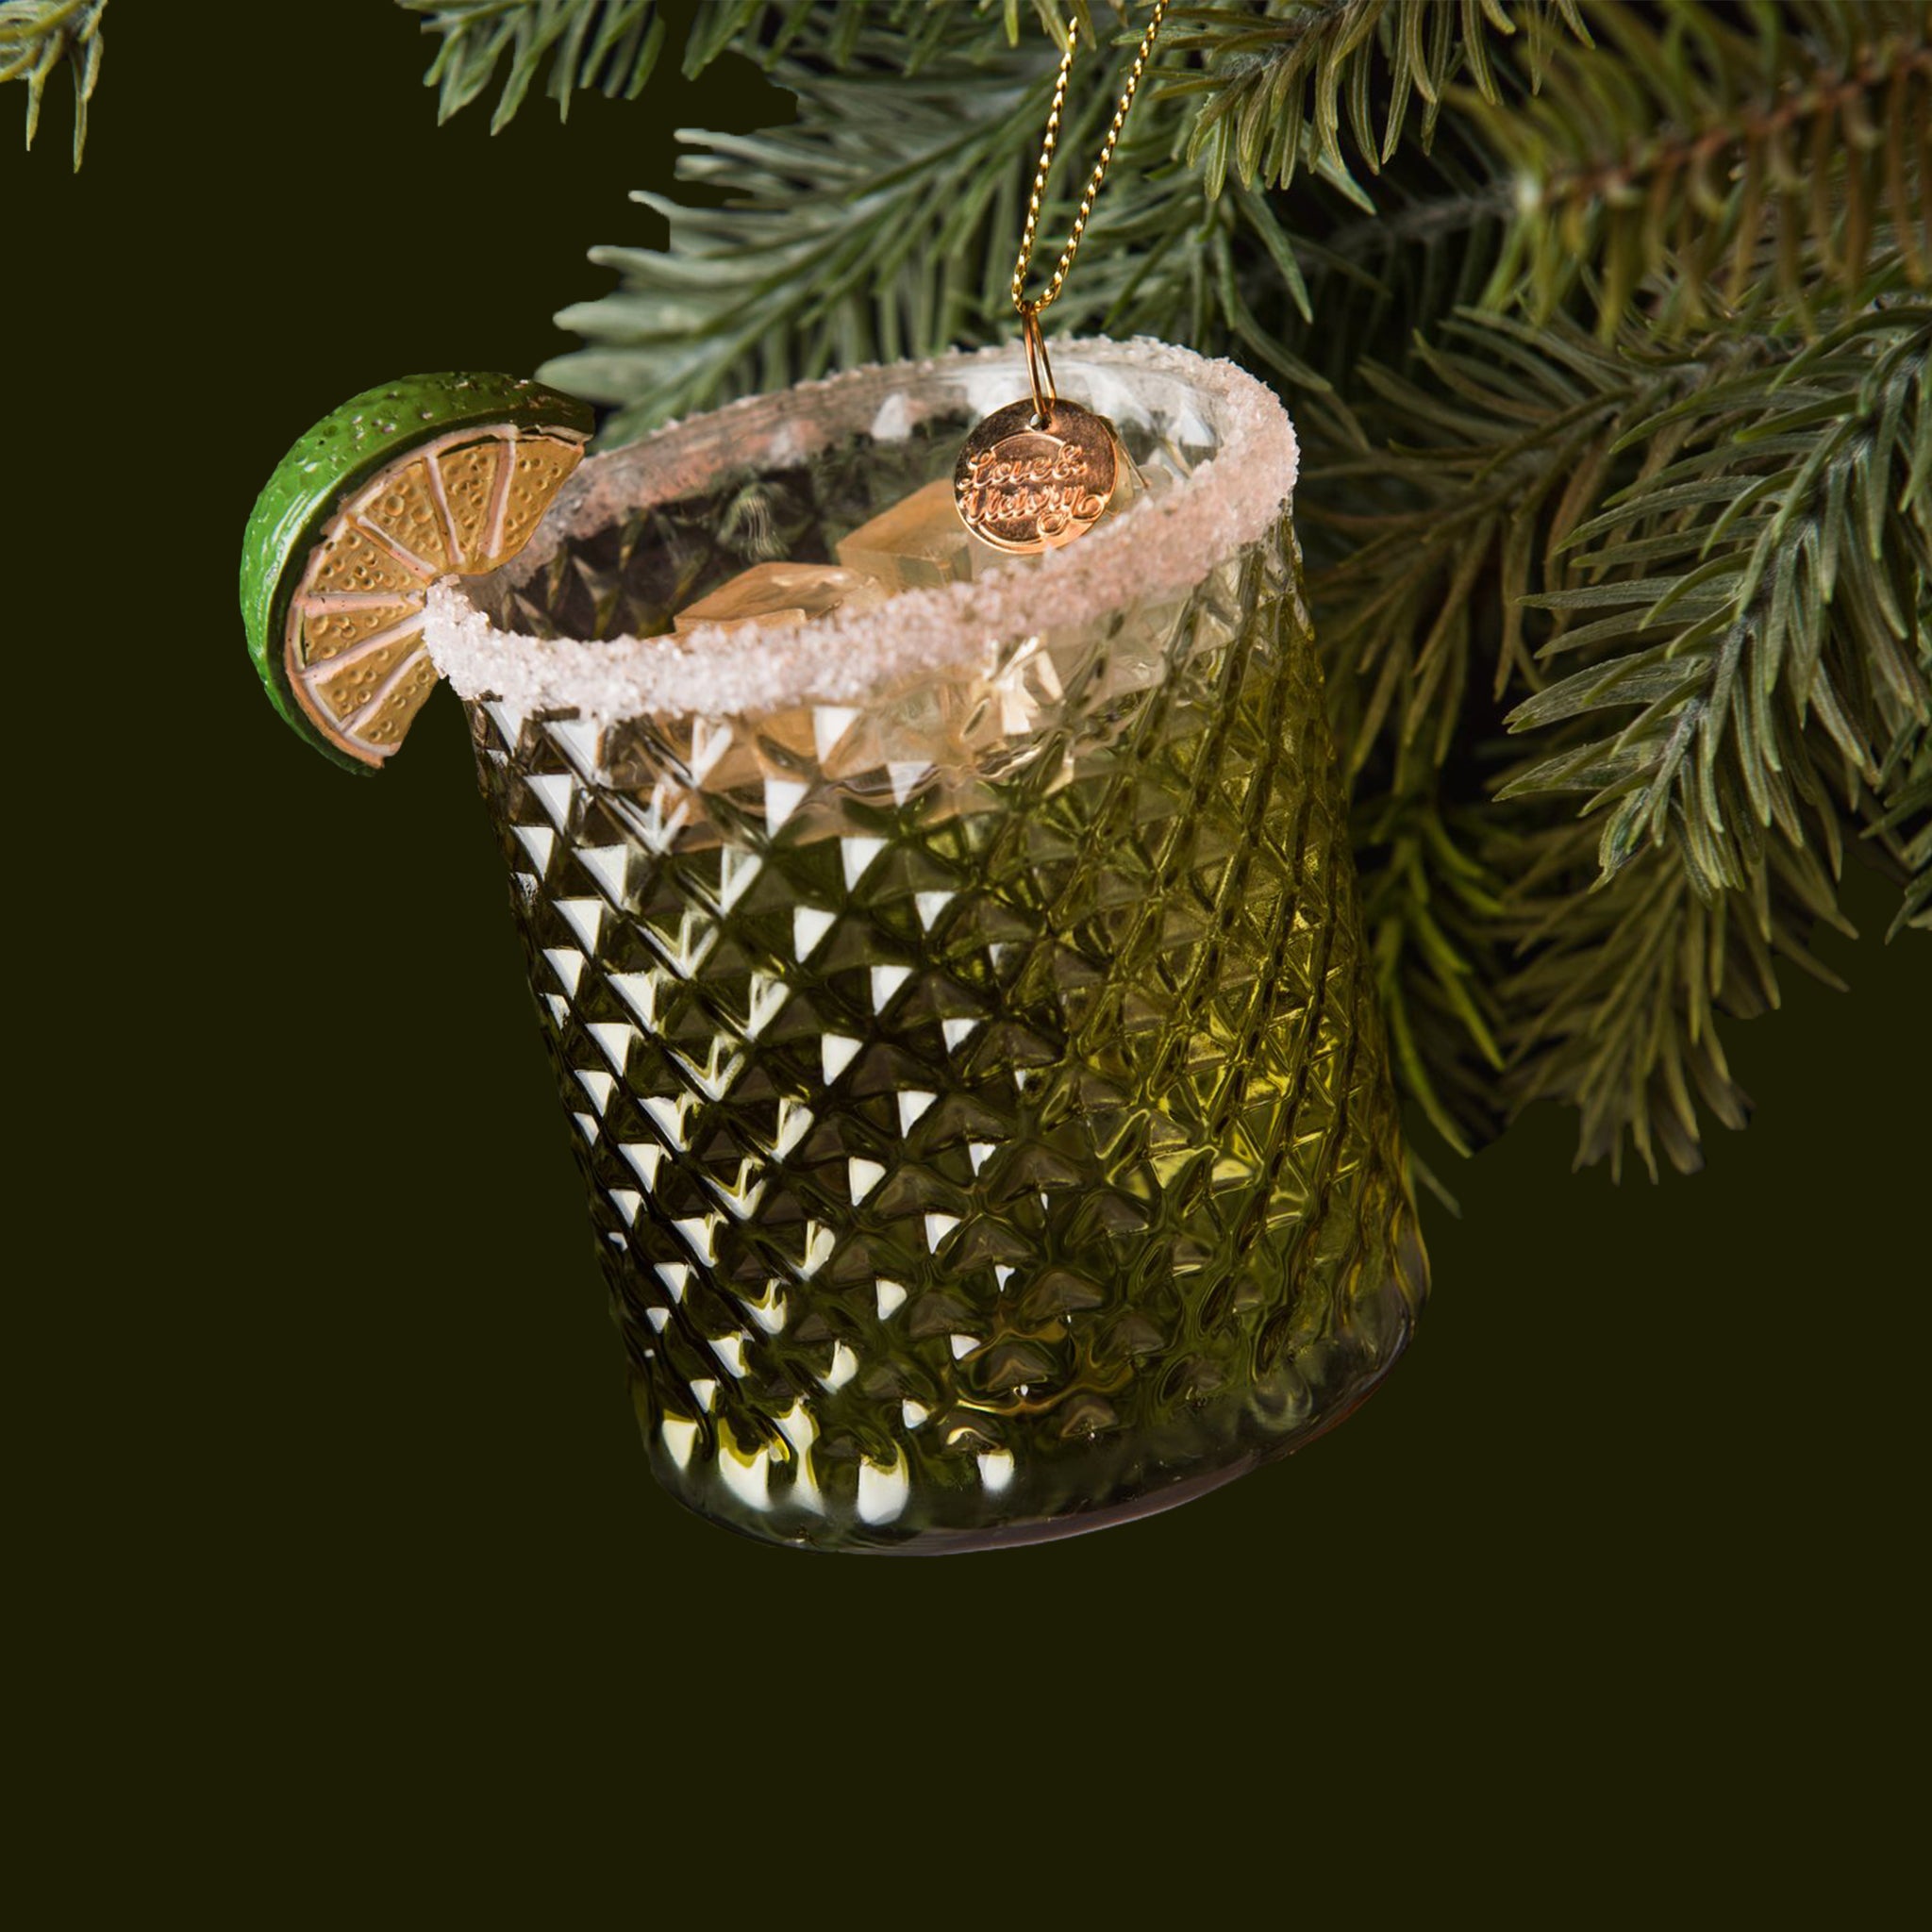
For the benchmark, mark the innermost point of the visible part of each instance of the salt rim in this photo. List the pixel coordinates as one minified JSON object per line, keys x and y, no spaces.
{"x":1164,"y":546}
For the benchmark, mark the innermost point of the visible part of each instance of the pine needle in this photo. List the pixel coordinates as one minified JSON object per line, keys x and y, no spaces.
{"x":609,"y":45}
{"x":36,"y":36}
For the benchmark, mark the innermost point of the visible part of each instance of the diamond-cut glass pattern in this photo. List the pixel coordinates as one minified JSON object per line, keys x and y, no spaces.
{"x":981,"y":1090}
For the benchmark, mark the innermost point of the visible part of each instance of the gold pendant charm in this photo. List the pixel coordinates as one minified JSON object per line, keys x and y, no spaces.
{"x":1040,"y":472}
{"x":1028,"y":481}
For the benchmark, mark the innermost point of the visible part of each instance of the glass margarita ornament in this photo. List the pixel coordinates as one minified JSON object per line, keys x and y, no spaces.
{"x":950,"y":961}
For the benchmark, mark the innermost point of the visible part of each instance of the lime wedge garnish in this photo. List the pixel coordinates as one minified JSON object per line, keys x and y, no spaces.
{"x":402,"y":485}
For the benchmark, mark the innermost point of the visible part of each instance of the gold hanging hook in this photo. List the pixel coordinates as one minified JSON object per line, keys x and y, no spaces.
{"x":1039,"y":368}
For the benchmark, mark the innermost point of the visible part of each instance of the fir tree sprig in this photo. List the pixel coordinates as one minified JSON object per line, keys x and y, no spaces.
{"x":1285,"y":85}
{"x":36,"y":36}
{"x":1697,"y":136}
{"x":609,"y":45}
{"x":1765,"y":576}
{"x":1617,"y":1001}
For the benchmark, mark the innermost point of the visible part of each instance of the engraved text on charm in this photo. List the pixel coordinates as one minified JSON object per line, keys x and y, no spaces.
{"x":1028,"y":481}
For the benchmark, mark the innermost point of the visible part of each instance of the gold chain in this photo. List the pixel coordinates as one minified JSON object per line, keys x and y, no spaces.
{"x":1028,"y":309}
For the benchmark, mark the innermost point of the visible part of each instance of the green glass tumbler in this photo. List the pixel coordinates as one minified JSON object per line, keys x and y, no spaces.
{"x":960,"y":1000}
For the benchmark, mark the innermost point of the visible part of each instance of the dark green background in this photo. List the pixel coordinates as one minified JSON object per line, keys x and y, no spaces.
{"x":350,"y":1590}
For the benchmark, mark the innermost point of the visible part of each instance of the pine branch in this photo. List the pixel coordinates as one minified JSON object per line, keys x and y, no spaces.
{"x":1617,"y":1005}
{"x":1687,"y":133}
{"x":1766,"y":576}
{"x":35,"y":37}
{"x":1439,"y":542}
{"x":1751,"y":514}
{"x":1380,"y":281}
{"x":1285,"y":87}
{"x":611,"y":46}
{"x":1431,"y":546}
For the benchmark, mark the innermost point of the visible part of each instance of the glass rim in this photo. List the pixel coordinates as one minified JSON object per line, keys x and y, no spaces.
{"x":1164,"y":546}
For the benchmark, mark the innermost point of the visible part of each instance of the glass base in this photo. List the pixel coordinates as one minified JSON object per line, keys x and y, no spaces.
{"x":1106,"y":1481}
